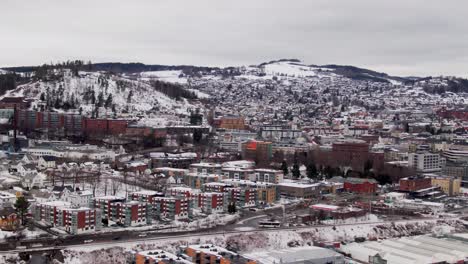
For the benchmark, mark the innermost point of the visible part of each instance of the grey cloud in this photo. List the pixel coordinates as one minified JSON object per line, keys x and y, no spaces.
{"x":418,"y":37}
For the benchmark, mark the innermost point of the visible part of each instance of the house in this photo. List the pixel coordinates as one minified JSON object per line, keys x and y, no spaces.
{"x":9,"y":220}
{"x":24,"y":169}
{"x":7,"y":199}
{"x":46,"y":162}
{"x":33,"y":180}
{"x":75,"y":198}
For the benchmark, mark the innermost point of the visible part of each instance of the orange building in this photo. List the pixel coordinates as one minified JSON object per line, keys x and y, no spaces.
{"x":211,"y":254}
{"x":232,"y":122}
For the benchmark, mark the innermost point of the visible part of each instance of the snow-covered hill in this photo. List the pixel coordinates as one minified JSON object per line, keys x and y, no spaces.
{"x":116,"y":95}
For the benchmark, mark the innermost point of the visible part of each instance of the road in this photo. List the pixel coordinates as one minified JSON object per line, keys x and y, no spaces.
{"x":102,"y":241}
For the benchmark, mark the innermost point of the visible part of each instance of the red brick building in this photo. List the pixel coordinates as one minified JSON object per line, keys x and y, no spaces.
{"x":353,"y":153}
{"x":105,"y":126}
{"x":412,"y":184}
{"x":359,"y":185}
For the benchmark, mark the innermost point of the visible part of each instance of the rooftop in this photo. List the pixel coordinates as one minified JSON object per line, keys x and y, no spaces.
{"x":295,"y":255}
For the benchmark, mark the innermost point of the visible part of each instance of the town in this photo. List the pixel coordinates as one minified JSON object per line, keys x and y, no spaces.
{"x":275,"y":152}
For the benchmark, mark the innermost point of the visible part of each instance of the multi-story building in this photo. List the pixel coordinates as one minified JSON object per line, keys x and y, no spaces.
{"x":450,"y":186}
{"x":232,"y":122}
{"x":415,"y":183}
{"x":457,"y":170}
{"x":171,"y":160}
{"x":215,"y":187}
{"x":173,"y":207}
{"x":259,"y":151}
{"x":352,"y":153}
{"x":242,"y":197}
{"x":456,"y":155}
{"x":211,"y":202}
{"x":195,"y":180}
{"x":267,"y":175}
{"x":130,"y":213}
{"x":145,"y":196}
{"x":205,"y":168}
{"x":279,"y":132}
{"x":237,"y":173}
{"x":425,"y":161}
{"x":267,"y":193}
{"x":74,"y":220}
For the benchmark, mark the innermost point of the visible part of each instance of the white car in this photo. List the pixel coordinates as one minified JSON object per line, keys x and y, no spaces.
{"x":88,"y":241}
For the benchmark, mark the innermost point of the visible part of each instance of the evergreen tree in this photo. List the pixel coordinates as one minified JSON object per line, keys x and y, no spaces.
{"x":100,"y":101}
{"x":284,"y":167}
{"x":108,"y":101}
{"x":130,"y":95}
{"x":295,"y":170}
{"x":21,"y":206}
{"x":197,"y":135}
{"x":311,"y":171}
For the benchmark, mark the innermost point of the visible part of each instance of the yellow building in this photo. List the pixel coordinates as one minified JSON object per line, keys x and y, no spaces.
{"x":450,"y":186}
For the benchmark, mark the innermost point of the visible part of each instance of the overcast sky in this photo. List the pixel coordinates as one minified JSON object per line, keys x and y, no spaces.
{"x":400,"y":37}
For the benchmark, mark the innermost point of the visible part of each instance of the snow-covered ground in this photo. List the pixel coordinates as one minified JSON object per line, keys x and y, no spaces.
{"x":167,"y":76}
{"x":268,"y":239}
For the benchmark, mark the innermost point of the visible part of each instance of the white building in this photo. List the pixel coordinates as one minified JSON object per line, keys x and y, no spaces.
{"x":425,"y":161}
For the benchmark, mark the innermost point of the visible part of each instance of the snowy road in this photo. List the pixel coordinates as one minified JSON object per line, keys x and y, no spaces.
{"x":207,"y":234}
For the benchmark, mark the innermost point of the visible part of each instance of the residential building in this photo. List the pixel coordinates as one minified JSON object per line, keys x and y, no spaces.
{"x":242,"y":197}
{"x":118,"y":210}
{"x":258,"y":151}
{"x":205,"y":168}
{"x":74,"y":220}
{"x":212,"y":202}
{"x":172,"y":208}
{"x":267,"y":175}
{"x":195,"y":180}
